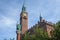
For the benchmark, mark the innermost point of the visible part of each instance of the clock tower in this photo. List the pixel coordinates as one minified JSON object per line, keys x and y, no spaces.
{"x":24,"y":20}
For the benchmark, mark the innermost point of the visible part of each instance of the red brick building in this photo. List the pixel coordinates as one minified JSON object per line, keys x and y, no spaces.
{"x":46,"y":26}
{"x":23,"y":26}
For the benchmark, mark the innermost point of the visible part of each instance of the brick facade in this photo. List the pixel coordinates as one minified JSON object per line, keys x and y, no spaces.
{"x":24,"y":22}
{"x":18,"y":36}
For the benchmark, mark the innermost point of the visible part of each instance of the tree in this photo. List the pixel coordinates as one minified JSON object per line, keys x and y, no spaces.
{"x":5,"y":39}
{"x":38,"y":34}
{"x":57,"y":31}
{"x":11,"y":38}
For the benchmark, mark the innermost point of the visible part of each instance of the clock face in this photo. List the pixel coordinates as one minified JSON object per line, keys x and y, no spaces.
{"x":24,"y":14}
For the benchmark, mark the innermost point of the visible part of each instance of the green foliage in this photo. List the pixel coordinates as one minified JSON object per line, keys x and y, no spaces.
{"x":57,"y":31}
{"x":40,"y":34}
{"x":5,"y":39}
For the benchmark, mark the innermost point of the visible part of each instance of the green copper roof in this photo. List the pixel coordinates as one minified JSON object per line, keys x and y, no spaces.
{"x":18,"y":27}
{"x":23,"y":8}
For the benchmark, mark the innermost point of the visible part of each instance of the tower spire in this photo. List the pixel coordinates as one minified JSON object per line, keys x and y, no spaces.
{"x":40,"y":17}
{"x":23,"y":7}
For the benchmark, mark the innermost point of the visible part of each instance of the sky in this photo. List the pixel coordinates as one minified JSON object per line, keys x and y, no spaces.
{"x":10,"y":13}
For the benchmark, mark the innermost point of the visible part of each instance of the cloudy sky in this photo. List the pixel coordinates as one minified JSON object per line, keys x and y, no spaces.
{"x":10,"y":13}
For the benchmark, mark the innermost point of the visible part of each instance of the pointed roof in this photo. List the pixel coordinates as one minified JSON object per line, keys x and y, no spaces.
{"x":23,"y":7}
{"x":40,"y":17}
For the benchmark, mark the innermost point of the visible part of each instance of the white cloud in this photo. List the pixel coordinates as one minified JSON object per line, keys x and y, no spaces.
{"x":5,"y":21}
